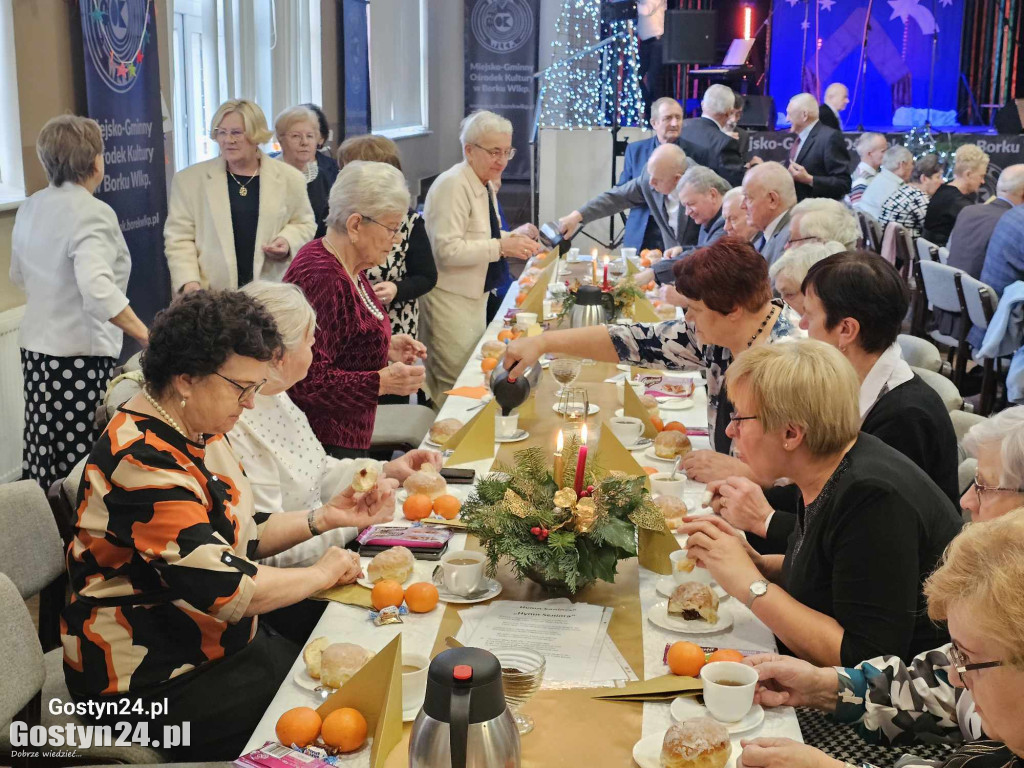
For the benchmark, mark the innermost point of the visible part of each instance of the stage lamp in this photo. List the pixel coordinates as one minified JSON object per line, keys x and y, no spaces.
{"x":748,"y":13}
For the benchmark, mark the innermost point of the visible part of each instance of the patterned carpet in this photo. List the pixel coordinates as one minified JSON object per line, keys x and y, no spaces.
{"x":842,"y":742}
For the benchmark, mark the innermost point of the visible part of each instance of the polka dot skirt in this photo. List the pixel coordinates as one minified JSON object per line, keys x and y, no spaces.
{"x":61,"y":395}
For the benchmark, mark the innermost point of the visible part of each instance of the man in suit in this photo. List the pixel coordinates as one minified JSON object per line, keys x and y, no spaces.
{"x":655,"y":189}
{"x":667,"y":121}
{"x":704,"y":138}
{"x":818,"y":160}
{"x":768,"y":197}
{"x":837,"y":96}
{"x":974,"y":226}
{"x":1004,"y":260}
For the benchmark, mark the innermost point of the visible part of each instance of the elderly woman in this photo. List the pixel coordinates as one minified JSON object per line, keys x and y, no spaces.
{"x":788,"y":272}
{"x":298,"y":132}
{"x":870,"y":525}
{"x":328,"y":165}
{"x":908,"y":205}
{"x":469,"y":248}
{"x":820,"y":219}
{"x":164,"y":572}
{"x":285,"y":463}
{"x":69,"y":257}
{"x":239,"y":216}
{"x":354,"y":344}
{"x":729,"y":309}
{"x":970,"y":164}
{"x":409,"y":271}
{"x":968,"y":691}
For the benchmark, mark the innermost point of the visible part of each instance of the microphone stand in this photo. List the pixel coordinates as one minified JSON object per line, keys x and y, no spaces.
{"x":931,"y":71}
{"x":863,"y":75}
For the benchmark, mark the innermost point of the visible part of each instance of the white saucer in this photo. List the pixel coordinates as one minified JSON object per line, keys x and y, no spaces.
{"x":650,"y":454}
{"x":493,"y":590}
{"x":675,"y":403}
{"x":408,"y":715}
{"x":365,"y":582}
{"x":666,"y":585}
{"x":594,"y":408}
{"x":624,"y":367}
{"x":685,"y":707}
{"x":647,"y":751}
{"x":303,"y":680}
{"x":564,"y":272}
{"x":643,"y":442}
{"x":658,"y":616}
{"x":517,"y":436}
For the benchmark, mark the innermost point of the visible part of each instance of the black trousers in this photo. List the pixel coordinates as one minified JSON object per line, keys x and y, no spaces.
{"x":340,"y":452}
{"x":652,"y":85}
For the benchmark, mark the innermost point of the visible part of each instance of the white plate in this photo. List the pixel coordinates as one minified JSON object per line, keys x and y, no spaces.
{"x":517,"y":436}
{"x":649,"y":453}
{"x":594,"y":408}
{"x":493,"y":590}
{"x":685,"y":707}
{"x":666,"y":585}
{"x":624,"y":367}
{"x":409,"y":715}
{"x":658,"y":616}
{"x":647,"y":752}
{"x":365,"y":582}
{"x":643,"y":442}
{"x":303,"y":680}
{"x":675,"y":403}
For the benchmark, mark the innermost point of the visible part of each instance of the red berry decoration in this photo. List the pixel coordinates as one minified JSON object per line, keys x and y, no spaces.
{"x":535,"y":530}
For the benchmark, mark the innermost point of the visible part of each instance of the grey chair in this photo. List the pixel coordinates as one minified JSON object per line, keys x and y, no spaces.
{"x":979,"y":304}
{"x":950,"y":395}
{"x":400,"y":427}
{"x":920,"y":353}
{"x":21,"y":668}
{"x":941,"y":292}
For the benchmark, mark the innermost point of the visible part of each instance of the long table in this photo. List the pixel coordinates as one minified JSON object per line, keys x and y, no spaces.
{"x":572,"y":728}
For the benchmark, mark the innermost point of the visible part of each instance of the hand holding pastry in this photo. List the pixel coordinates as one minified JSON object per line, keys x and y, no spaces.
{"x":719,"y":547}
{"x":354,"y":509}
{"x":742,"y":503}
{"x":705,"y":466}
{"x":410,"y":462}
{"x":338,"y":566}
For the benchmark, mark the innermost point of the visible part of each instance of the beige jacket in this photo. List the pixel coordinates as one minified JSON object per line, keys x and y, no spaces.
{"x":198,"y":239}
{"x":459,"y":228}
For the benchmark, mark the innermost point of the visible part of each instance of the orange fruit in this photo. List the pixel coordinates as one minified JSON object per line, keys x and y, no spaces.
{"x":645,"y":261}
{"x":447,"y":506}
{"x":344,"y":729}
{"x":505,"y":335}
{"x":421,"y":597}
{"x":387,"y":592}
{"x":417,"y":506}
{"x":675,"y":426}
{"x":725,"y":654}
{"x":299,"y":727}
{"x":650,"y":286}
{"x":520,"y":299}
{"x":658,"y":423}
{"x":651,"y":470}
{"x":488,"y":364}
{"x":684,"y":659}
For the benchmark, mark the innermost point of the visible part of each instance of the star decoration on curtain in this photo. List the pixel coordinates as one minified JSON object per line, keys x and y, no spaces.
{"x":904,"y":10}
{"x":805,"y":24}
{"x":131,"y":70}
{"x":826,"y":5}
{"x":792,"y":2}
{"x":122,"y":70}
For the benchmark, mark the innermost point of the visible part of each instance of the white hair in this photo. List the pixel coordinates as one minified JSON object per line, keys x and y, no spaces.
{"x":732,"y":193}
{"x":834,"y":88}
{"x":807,"y":103}
{"x":475,"y":126}
{"x":287,"y":304}
{"x":718,"y":100}
{"x":895,"y":156}
{"x":825,"y":219}
{"x":795,"y":262}
{"x":703,"y":180}
{"x":775,"y":178}
{"x":293,"y":115}
{"x":370,"y":189}
{"x":866,"y":140}
{"x":1011,"y":181}
{"x":1004,"y":431}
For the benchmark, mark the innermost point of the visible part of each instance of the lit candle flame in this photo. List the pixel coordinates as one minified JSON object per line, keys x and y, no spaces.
{"x":559,"y":442}
{"x":606,"y":259}
{"x":593,"y":254}
{"x":583,"y":434}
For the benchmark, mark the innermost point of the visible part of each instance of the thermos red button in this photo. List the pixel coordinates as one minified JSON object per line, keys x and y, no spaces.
{"x":463,"y":672}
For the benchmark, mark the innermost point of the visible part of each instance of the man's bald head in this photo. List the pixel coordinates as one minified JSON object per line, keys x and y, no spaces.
{"x":768,"y":191}
{"x":802,"y":111}
{"x":665,"y":167}
{"x":1011,"y":184}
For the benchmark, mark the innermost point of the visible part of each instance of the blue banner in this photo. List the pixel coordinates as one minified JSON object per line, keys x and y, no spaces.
{"x":826,"y":38}
{"x":122,"y":81}
{"x":355,"y":68}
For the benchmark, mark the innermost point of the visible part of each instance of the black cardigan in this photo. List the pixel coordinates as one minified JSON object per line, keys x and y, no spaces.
{"x":943,"y":208}
{"x":420,"y":269}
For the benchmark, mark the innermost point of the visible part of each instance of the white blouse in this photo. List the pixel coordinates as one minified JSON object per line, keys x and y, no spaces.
{"x":289,"y":470}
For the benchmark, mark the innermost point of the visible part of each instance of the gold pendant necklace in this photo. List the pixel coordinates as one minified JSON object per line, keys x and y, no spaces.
{"x":242,"y":191}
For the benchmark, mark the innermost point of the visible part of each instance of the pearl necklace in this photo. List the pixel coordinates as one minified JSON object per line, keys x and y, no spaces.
{"x":771,"y":313}
{"x":367,"y":301}
{"x":166,"y":416}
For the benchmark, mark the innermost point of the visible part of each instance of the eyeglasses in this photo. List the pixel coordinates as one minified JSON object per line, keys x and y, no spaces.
{"x":246,"y":390}
{"x":223,"y":133}
{"x":393,"y":232}
{"x":980,"y":488}
{"x":734,"y":417}
{"x":295,"y":136}
{"x":960,"y":662}
{"x":791,"y":243}
{"x":497,"y":154}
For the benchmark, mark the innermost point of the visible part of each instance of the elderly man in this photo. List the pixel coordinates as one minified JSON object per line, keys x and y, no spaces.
{"x":818,"y":219}
{"x":734,"y":217}
{"x":837,"y":96}
{"x":768,"y":197}
{"x":818,"y":160}
{"x":974,"y":226}
{"x":655,"y":188}
{"x":897,"y":165}
{"x":667,"y":120}
{"x":705,"y":140}
{"x":870,"y":147}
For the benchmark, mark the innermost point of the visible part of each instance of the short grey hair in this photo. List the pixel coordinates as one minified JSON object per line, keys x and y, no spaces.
{"x":895,"y":156}
{"x":370,"y":189}
{"x":775,"y":178}
{"x":293,"y":115}
{"x":806,"y":102}
{"x":481,"y":122}
{"x":1011,"y":181}
{"x":732,"y":193}
{"x":796,"y":261}
{"x":703,"y":180}
{"x":825,"y":219}
{"x":718,"y":100}
{"x":67,"y":148}
{"x":866,"y":140}
{"x":1004,"y":431}
{"x":287,"y":304}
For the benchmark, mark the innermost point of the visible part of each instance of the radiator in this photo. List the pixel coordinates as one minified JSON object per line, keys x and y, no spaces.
{"x":12,"y":398}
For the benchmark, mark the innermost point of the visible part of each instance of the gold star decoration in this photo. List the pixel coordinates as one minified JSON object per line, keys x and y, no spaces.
{"x":515,"y":504}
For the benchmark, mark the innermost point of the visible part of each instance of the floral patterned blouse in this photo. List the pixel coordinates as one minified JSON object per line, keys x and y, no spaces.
{"x":673,"y":346}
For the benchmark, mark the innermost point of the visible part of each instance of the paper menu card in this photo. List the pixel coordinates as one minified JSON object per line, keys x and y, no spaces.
{"x":631,"y":406}
{"x":475,"y":440}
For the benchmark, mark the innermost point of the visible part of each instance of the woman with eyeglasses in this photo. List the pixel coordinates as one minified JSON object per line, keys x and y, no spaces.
{"x":240,"y":216}
{"x":164,"y":565}
{"x":298,"y":132}
{"x":470,"y":249}
{"x":356,"y":359}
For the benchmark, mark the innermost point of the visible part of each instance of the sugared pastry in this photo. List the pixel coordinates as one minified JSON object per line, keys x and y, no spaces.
{"x":395,"y":564}
{"x":694,"y":601}
{"x":669,"y":444}
{"x":426,"y":480}
{"x":696,"y":743}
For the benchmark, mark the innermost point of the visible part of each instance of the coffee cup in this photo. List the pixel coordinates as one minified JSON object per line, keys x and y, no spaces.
{"x":628,"y":253}
{"x":506,"y":426}
{"x":684,"y":570}
{"x":414,"y":679}
{"x":620,"y":390}
{"x":728,"y":689}
{"x":525,"y":319}
{"x":573,"y":255}
{"x":628,"y":429}
{"x":662,"y":485}
{"x":460,"y":573}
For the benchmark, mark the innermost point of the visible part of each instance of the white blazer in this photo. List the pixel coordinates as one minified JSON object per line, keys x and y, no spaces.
{"x":459,"y":228}
{"x":198,"y":239}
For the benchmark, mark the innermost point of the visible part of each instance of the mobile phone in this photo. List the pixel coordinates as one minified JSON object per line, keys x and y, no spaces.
{"x":550,"y":234}
{"x":458,"y":476}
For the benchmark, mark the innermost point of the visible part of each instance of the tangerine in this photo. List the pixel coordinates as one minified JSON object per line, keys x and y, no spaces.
{"x":651,"y":470}
{"x":505,"y":335}
{"x":520,"y":299}
{"x":421,"y":597}
{"x":645,"y":261}
{"x":725,"y":654}
{"x":650,"y":286}
{"x":344,"y":729}
{"x":488,"y":364}
{"x":298,"y":727}
{"x":387,"y":592}
{"x":685,"y":659}
{"x":417,"y":506}
{"x":675,"y":426}
{"x":658,"y":423}
{"x":447,"y":506}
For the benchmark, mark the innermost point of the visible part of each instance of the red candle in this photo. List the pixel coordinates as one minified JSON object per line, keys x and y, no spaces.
{"x":581,"y":462}
{"x":605,"y":286}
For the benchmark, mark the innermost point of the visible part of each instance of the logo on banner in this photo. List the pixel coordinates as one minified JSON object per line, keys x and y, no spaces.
{"x":502,"y":26}
{"x":115,"y":32}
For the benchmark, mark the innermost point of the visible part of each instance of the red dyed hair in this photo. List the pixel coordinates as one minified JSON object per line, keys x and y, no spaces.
{"x":725,"y":275}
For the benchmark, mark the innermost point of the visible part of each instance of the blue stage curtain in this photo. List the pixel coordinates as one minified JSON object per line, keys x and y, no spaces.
{"x":353,"y":39}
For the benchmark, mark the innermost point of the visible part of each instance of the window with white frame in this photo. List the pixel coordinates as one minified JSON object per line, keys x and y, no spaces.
{"x":398,"y":66}
{"x":12,"y":173}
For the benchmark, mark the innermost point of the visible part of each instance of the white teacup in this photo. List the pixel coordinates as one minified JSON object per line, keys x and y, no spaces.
{"x":414,"y":682}
{"x":628,"y":253}
{"x":525,"y":319}
{"x":728,"y":689}
{"x":620,"y":390}
{"x":461,"y":573}
{"x":662,"y":485}
{"x":628,"y":429}
{"x":505,"y":426}
{"x":573,"y":254}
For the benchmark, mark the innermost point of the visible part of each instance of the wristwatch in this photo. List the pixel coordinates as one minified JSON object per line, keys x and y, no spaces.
{"x":757,"y":589}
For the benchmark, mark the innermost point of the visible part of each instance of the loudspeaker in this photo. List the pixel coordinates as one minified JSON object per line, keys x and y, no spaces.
{"x":618,"y":10}
{"x":689,"y":37}
{"x":758,"y":113}
{"x":1010,"y":117}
